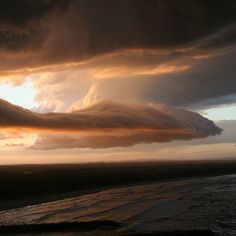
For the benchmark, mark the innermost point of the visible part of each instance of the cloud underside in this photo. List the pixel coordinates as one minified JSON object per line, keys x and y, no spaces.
{"x":107,"y":124}
{"x":43,"y":33}
{"x":118,"y":139}
{"x":185,"y":82}
{"x":180,"y":53}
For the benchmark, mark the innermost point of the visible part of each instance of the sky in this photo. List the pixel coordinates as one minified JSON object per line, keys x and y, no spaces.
{"x":106,"y":81}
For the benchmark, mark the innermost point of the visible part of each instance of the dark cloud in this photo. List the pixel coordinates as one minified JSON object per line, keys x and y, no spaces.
{"x":223,"y":38}
{"x":152,"y":23}
{"x":86,"y":29}
{"x":20,"y":13}
{"x":20,"y":23}
{"x":210,"y":81}
{"x":104,"y":26}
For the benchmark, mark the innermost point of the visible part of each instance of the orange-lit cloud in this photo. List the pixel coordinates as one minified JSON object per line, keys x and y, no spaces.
{"x":45,"y":35}
{"x":134,"y":71}
{"x":114,"y":138}
{"x":107,"y":124}
{"x":105,"y":115}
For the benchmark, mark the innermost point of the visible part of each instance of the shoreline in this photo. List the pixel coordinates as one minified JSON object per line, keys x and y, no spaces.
{"x":165,"y":207}
{"x":63,"y":196}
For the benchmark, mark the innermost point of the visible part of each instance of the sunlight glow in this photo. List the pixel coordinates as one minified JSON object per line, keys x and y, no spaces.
{"x":221,"y":113}
{"x":22,"y":95}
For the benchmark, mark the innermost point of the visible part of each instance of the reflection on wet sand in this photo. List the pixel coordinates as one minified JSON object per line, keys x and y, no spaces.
{"x":200,"y":203}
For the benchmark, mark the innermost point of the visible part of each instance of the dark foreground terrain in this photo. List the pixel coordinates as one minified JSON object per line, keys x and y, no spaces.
{"x":30,"y":184}
{"x":104,"y":228}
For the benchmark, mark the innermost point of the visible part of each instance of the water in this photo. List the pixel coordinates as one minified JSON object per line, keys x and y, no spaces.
{"x":201,"y":203}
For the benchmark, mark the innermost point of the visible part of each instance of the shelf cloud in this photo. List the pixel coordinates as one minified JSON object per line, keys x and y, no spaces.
{"x":107,"y":124}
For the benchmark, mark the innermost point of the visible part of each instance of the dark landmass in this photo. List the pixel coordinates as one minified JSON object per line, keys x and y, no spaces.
{"x":32,"y":184}
{"x":95,"y":227}
{"x":59,"y":227}
{"x":177,"y":233}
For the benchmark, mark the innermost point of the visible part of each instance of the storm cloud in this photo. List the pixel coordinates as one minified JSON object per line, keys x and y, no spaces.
{"x":47,"y":32}
{"x":184,"y":82}
{"x":103,"y":74}
{"x":108,"y":124}
{"x":20,"y":28}
{"x":180,"y":53}
{"x":117,"y":139}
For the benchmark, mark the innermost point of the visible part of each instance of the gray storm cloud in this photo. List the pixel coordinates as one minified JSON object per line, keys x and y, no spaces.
{"x":64,"y":31}
{"x":206,"y":82}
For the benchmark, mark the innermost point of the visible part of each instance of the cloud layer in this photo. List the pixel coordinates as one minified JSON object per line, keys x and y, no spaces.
{"x":180,"y":54}
{"x":204,"y":82}
{"x":44,"y":33}
{"x":108,"y":124}
{"x":106,"y":115}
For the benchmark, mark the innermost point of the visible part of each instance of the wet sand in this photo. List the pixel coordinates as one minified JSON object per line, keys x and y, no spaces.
{"x":157,"y":198}
{"x":181,"y":205}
